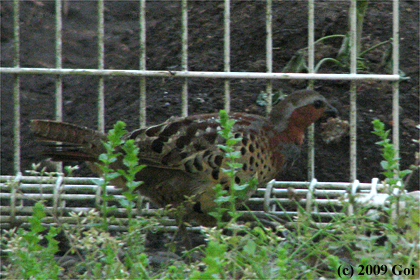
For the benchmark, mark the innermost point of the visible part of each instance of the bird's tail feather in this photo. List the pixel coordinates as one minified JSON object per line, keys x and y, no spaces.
{"x":68,"y":142}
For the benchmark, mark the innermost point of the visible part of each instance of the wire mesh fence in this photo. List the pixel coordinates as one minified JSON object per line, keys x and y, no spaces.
{"x":64,"y":197}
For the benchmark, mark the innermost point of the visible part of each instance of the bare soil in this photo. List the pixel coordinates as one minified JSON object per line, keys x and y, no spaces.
{"x":205,"y":45}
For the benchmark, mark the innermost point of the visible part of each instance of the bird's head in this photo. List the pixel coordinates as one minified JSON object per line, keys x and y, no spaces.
{"x":300,"y":110}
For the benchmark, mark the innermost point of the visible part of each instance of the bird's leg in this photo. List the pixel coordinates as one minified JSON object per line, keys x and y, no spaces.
{"x":186,"y":238}
{"x":182,"y":231}
{"x":179,"y":213}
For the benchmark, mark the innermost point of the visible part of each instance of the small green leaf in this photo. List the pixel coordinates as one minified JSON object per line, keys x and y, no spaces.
{"x":224,"y":148}
{"x":36,"y":218}
{"x":385,"y":165}
{"x":103,"y":157}
{"x":297,"y":64}
{"x":388,"y":174}
{"x":232,"y":141}
{"x":404,"y":173}
{"x":134,"y":184}
{"x":111,"y":176}
{"x":223,"y":199}
{"x":240,"y":187}
{"x":250,"y":247}
{"x":98,"y":182}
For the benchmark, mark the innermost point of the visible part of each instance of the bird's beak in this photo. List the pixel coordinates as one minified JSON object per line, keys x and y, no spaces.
{"x":330,"y":112}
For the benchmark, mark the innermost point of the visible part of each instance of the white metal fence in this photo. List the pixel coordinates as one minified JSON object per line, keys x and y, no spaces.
{"x":142,"y":73}
{"x":63,"y":195}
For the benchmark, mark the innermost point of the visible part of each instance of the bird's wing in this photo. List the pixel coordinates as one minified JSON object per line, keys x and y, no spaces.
{"x":180,"y":143}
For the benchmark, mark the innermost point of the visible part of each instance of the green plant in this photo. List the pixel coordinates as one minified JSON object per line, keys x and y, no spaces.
{"x":106,"y":159}
{"x":28,"y":258}
{"x":243,"y":253}
{"x":116,"y":147}
{"x":91,"y":239}
{"x":407,"y":220}
{"x":227,"y":200}
{"x":131,"y":161}
{"x":113,"y":147}
{"x":361,"y":8}
{"x":393,"y":174}
{"x":342,"y":59}
{"x":99,"y":249}
{"x":298,"y":62}
{"x":103,"y":255}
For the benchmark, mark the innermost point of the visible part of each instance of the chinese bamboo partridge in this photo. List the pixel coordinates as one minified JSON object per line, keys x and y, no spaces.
{"x":182,"y":154}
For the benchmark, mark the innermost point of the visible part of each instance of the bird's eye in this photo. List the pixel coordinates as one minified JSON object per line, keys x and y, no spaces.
{"x":318,"y":104}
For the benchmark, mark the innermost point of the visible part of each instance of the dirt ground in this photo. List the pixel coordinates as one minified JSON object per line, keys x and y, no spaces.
{"x":206,"y":54}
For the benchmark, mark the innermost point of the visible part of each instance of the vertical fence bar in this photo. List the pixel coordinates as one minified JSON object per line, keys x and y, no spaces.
{"x":226,"y":52}
{"x":311,"y":63}
{"x":101,"y":63}
{"x":269,"y":53}
{"x":395,"y":71}
{"x":142,"y":62}
{"x":184,"y":8}
{"x":58,"y":65}
{"x":58,"y":61}
{"x":16,"y":88}
{"x":311,"y":39}
{"x":353,"y":108}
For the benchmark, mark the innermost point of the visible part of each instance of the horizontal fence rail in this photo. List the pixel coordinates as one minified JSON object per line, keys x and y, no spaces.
{"x":200,"y":74}
{"x":64,"y":195}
